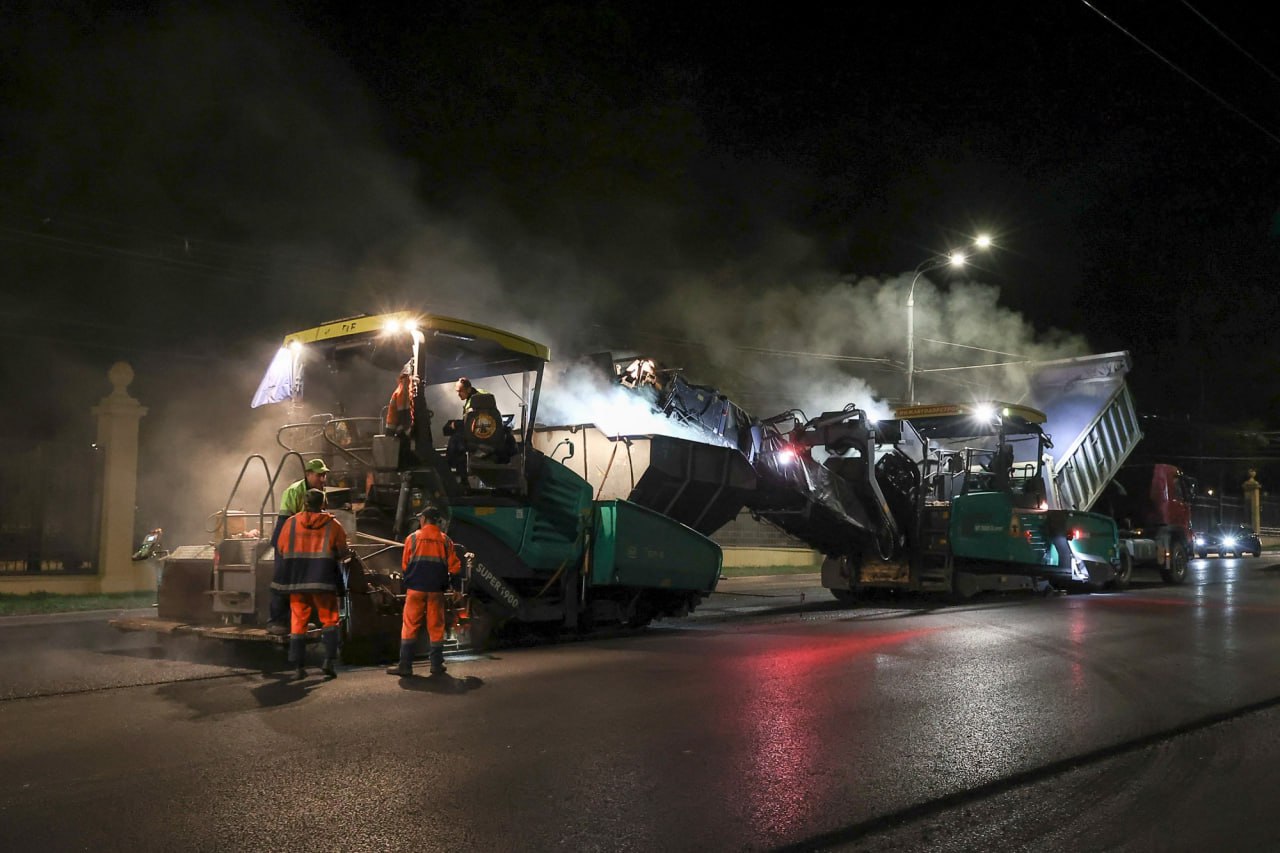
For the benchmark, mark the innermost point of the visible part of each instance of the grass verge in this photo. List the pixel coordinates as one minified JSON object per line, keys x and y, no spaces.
{"x":757,"y":571}
{"x":52,"y":602}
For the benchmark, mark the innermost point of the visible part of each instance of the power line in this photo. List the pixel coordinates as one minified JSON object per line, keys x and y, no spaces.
{"x":121,"y":348}
{"x":1231,"y":41}
{"x":49,"y":241}
{"x":68,"y":245}
{"x":1221,"y":101}
{"x":822,"y":356}
{"x":979,"y":349}
{"x":975,"y":366}
{"x":113,"y":228}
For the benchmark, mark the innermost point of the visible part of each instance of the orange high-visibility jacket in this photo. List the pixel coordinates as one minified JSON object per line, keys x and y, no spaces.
{"x":400,"y":408}
{"x":307,"y":553}
{"x":429,"y":558}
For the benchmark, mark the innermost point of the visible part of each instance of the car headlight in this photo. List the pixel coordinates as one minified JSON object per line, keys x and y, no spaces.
{"x":1199,"y":540}
{"x":1229,"y":542}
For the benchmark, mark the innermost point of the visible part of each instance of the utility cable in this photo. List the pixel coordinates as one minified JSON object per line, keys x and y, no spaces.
{"x":1231,"y":41}
{"x":979,"y":349}
{"x":853,"y":359}
{"x":1203,"y":88}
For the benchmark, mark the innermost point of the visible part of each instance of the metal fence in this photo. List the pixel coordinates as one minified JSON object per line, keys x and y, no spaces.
{"x":1207,"y":510}
{"x":50,"y":508}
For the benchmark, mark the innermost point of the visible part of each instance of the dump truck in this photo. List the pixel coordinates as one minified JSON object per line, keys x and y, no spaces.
{"x":542,"y":551}
{"x":1090,"y":408}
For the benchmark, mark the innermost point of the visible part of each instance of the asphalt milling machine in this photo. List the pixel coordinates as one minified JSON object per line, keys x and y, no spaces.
{"x":952,"y":498}
{"x":948,"y":499}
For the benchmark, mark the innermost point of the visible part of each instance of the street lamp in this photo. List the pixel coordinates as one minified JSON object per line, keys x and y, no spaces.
{"x":955,"y":260}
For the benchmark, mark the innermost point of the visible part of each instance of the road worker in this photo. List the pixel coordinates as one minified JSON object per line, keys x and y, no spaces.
{"x":310,"y":547}
{"x":315,"y":473}
{"x":456,"y":453}
{"x":429,"y":560}
{"x":400,"y":412}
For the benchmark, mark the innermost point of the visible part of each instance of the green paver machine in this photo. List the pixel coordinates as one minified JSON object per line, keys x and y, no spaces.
{"x":978,"y":517}
{"x":540,"y":550}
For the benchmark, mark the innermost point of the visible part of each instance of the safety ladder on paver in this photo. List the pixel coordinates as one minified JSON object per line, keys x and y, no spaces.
{"x":935,"y":567}
{"x":236,"y":586}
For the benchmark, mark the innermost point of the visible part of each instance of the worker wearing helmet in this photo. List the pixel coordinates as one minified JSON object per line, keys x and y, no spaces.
{"x":310,"y":545}
{"x":314,"y":475}
{"x":428,"y":562}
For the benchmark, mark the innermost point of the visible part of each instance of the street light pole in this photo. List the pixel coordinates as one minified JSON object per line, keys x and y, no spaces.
{"x":954,"y":259}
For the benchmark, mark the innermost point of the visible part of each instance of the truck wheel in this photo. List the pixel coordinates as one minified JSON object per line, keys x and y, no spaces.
{"x":1175,"y":570}
{"x":1123,"y":574}
{"x":845,"y":596}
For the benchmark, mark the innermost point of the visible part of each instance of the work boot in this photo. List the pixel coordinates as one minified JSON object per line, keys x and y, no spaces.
{"x":405,"y":668}
{"x":329,"y":637}
{"x":298,"y":654}
{"x":278,"y":614}
{"x":437,"y":659}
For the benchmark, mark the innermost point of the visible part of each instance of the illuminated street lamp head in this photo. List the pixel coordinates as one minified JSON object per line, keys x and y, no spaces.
{"x":957,"y":259}
{"x":982,"y":241}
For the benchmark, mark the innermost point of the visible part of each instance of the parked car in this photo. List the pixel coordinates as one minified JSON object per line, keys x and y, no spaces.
{"x":1227,"y":540}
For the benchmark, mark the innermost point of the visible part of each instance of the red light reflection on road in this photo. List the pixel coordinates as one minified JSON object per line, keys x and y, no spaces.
{"x":782,"y":718}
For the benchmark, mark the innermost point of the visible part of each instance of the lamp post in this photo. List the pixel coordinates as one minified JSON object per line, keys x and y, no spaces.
{"x":954,"y":259}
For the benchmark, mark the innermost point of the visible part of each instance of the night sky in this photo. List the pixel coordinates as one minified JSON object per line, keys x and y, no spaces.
{"x":183,"y":186}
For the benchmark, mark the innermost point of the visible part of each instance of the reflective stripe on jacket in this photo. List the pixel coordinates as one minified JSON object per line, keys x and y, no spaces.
{"x":307,"y":552}
{"x":429,"y":559}
{"x":466,"y":404}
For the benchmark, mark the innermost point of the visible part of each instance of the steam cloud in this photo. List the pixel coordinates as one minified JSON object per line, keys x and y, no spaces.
{"x":298,"y":172}
{"x":581,"y":396}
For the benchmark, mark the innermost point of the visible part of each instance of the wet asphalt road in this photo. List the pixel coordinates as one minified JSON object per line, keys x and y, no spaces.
{"x":1141,"y":720}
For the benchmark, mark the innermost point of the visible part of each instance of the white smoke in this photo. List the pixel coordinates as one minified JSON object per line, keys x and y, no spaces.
{"x":581,"y":395}
{"x":820,"y":343}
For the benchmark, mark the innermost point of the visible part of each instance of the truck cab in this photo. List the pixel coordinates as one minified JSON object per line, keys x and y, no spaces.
{"x":1152,"y":507}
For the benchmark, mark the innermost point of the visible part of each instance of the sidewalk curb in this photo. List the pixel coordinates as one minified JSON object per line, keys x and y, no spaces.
{"x":70,"y":617}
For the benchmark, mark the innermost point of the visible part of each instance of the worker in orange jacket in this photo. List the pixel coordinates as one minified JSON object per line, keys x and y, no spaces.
{"x":429,"y":560}
{"x":309,"y":549}
{"x":400,"y":414}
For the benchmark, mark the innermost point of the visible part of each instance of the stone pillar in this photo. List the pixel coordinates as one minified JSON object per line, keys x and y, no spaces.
{"x":1253,"y":499}
{"x":118,"y":415}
